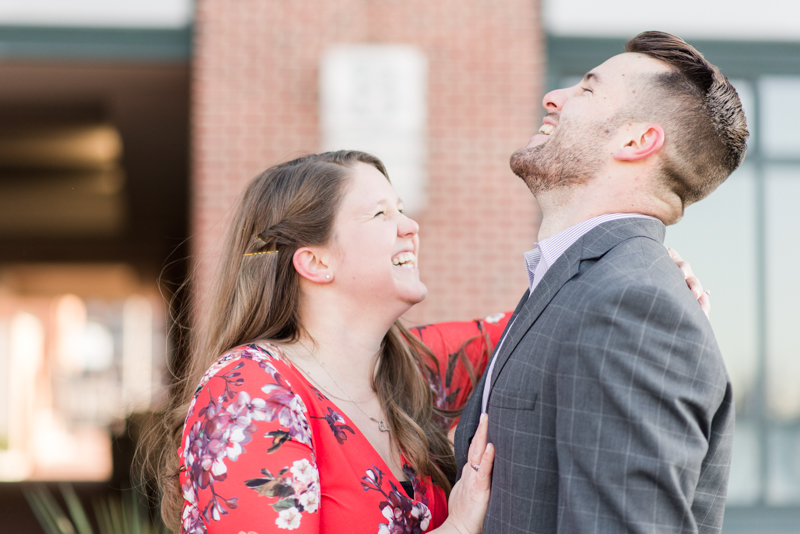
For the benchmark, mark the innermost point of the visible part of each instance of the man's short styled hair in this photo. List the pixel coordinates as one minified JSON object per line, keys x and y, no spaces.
{"x":700,"y":112}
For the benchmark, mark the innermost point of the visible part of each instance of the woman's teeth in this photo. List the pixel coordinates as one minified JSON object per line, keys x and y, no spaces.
{"x":405,"y":259}
{"x":546,"y":129}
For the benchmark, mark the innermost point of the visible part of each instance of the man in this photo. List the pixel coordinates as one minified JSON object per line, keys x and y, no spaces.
{"x":609,"y":404}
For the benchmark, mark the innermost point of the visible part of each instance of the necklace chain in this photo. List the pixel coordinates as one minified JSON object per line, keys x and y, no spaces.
{"x":381,"y":424}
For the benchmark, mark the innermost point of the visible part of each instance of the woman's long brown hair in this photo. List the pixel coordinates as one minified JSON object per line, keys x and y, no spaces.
{"x":255,"y":297}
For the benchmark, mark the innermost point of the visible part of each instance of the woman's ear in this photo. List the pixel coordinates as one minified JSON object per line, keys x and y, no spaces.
{"x":644,"y":143}
{"x":310,"y":264}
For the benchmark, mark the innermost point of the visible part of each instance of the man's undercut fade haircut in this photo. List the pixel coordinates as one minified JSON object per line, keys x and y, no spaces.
{"x":700,"y":112}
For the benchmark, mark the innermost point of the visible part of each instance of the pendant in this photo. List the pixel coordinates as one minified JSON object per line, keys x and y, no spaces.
{"x":381,"y":425}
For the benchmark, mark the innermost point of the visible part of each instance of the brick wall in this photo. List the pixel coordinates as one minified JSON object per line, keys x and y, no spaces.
{"x":255,"y":104}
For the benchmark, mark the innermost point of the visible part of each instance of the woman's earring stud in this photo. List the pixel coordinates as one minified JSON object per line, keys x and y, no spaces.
{"x":327,"y":277}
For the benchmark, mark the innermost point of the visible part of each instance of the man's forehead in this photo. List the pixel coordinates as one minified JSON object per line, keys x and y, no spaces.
{"x":625,"y":65}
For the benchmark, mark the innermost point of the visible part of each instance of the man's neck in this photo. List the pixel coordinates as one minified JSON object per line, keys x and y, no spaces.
{"x":564,"y":208}
{"x":558,"y":222}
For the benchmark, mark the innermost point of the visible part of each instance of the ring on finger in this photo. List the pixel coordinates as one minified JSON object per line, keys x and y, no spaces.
{"x":475,"y":466}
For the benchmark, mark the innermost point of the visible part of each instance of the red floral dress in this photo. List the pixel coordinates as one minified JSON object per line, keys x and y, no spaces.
{"x":264,"y":450}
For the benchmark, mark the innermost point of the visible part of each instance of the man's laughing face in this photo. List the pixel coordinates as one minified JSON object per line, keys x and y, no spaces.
{"x":573,"y":143}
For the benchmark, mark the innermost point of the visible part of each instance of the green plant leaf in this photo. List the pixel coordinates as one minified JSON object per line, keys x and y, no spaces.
{"x":137,"y":524}
{"x":114,"y":515}
{"x":43,"y":514}
{"x":119,"y":517}
{"x":76,"y":510}
{"x":103,"y":515}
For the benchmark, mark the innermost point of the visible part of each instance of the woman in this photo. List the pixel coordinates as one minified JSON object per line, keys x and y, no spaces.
{"x":316,"y":410}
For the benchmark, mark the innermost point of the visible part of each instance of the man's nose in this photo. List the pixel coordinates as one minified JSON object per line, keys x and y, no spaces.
{"x":554,"y":100}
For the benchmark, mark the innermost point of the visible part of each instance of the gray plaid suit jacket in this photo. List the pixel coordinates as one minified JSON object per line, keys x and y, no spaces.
{"x":610,"y":407}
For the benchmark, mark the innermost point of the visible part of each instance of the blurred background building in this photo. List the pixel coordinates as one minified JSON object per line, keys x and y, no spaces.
{"x":128,"y":127}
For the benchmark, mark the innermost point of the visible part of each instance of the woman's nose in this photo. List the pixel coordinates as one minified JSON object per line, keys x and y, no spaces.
{"x":408,"y":227}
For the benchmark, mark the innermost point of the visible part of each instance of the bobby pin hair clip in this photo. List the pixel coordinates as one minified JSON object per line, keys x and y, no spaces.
{"x":259,"y":253}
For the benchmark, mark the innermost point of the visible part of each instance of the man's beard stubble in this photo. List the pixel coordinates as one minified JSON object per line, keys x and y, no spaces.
{"x":567,"y":160}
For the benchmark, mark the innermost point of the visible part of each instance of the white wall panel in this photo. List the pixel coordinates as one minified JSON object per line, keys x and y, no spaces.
{"x":690,"y":19}
{"x":97,"y":13}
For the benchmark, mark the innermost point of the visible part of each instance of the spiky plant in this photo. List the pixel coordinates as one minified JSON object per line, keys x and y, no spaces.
{"x":114,"y":515}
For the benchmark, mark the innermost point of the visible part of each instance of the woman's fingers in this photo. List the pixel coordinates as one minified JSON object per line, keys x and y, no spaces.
{"x":481,"y":455}
{"x":686,"y":269}
{"x":682,"y":264}
{"x":695,"y":286}
{"x":478,"y":445}
{"x":705,"y":302}
{"x":485,"y":470}
{"x":470,"y":496}
{"x":674,"y":254}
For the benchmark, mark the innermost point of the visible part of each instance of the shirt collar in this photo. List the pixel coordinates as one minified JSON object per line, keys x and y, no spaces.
{"x":547,"y":251}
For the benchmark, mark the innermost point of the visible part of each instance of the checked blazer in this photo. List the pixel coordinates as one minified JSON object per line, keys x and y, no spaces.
{"x":610,"y":406}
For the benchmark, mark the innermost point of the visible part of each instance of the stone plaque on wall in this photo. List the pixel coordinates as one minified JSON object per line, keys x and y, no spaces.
{"x":374,"y":98}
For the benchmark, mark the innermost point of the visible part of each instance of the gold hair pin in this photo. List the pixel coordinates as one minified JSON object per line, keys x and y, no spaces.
{"x":258,"y":253}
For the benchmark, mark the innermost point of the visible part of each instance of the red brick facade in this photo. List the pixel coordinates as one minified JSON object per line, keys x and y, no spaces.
{"x":255,"y":103}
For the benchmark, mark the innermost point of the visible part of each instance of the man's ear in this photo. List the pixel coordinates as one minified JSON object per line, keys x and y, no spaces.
{"x":644,"y":143}
{"x":310,"y":264}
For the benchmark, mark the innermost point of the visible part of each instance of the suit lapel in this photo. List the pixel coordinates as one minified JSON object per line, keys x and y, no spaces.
{"x":592,"y":246}
{"x":559,"y":274}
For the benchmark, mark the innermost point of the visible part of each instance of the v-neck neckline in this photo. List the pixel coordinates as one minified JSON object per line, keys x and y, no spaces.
{"x":281,"y":356}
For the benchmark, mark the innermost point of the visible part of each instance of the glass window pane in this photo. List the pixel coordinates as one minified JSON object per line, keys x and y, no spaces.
{"x":744,"y":484}
{"x":780,"y":114}
{"x":783,"y":291}
{"x":784,"y":466}
{"x":717,"y":237}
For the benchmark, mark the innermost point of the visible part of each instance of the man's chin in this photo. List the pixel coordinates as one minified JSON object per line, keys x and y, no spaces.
{"x":525,"y":163}
{"x":521,"y":160}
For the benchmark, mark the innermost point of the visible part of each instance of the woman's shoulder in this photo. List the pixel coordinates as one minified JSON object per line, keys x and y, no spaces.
{"x":255,"y":369}
{"x":248,"y":359}
{"x":256,"y":378}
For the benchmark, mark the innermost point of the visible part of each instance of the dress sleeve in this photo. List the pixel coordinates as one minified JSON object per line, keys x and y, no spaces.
{"x":248,"y":457}
{"x":462,"y":350}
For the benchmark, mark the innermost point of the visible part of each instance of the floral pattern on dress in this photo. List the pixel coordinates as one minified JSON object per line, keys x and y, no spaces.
{"x":227,"y":424}
{"x":191,"y":520}
{"x":296,"y":488}
{"x":259,"y":433}
{"x":337,"y":424}
{"x":449,"y":377}
{"x":404,"y":515}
